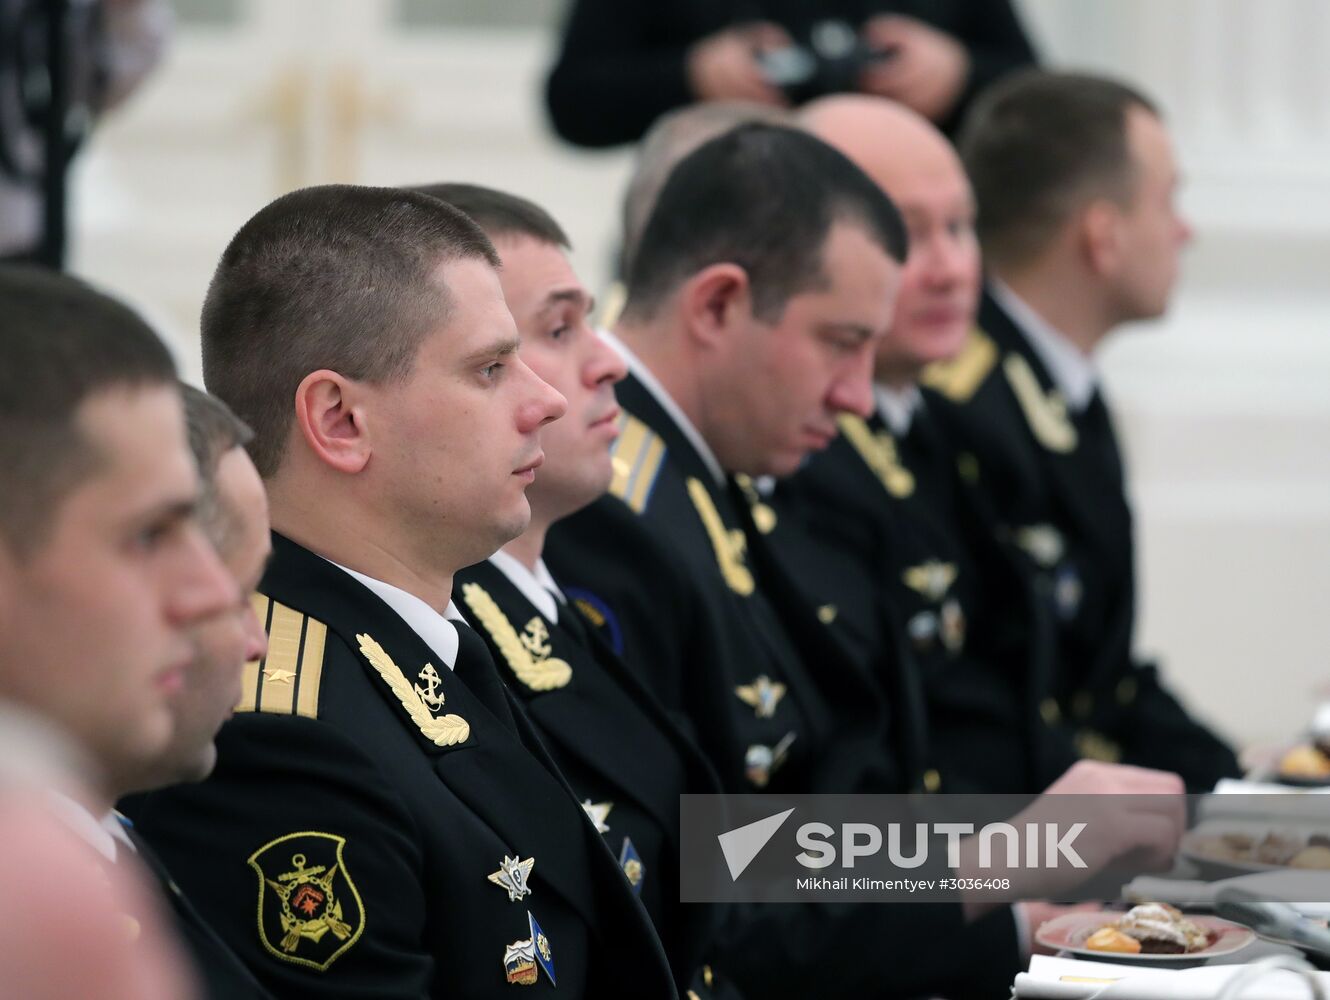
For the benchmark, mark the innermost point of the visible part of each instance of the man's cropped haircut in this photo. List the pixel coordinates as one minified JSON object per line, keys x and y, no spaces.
{"x":213,"y":430}
{"x":499,"y":213}
{"x":339,"y":277}
{"x":674,"y":135}
{"x":763,"y":197}
{"x":63,"y":344}
{"x":1037,"y":147}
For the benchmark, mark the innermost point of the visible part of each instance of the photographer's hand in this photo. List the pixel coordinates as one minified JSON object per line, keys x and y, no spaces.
{"x":926,"y":69}
{"x":724,"y":66}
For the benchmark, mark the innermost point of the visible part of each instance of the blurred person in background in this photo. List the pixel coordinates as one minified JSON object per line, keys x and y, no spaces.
{"x":233,"y":510}
{"x":622,"y":65}
{"x":880,"y":520}
{"x":1076,"y":186}
{"x":63,"y":64}
{"x":55,"y":892}
{"x":105,"y":575}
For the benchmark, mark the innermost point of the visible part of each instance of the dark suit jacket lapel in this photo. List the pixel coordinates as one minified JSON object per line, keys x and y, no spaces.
{"x":533,"y":812}
{"x":588,"y":719}
{"x":1077,"y":491}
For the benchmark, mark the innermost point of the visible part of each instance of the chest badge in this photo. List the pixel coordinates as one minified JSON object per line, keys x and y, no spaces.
{"x":631,"y":863}
{"x":931,"y":580}
{"x":598,"y":812}
{"x":524,"y":960}
{"x":309,"y":911}
{"x":763,"y":695}
{"x":762,"y":761}
{"x":512,"y":876}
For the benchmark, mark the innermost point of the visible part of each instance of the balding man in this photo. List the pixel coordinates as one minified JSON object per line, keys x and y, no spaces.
{"x":1075,"y":180}
{"x":886,"y":493}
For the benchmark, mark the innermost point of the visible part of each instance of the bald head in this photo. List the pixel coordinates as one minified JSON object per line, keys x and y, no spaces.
{"x":889,"y":142}
{"x":914,"y":163}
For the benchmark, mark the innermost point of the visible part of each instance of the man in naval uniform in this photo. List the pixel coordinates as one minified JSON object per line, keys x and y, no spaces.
{"x":107,"y":581}
{"x":877,"y":525}
{"x":757,"y":293}
{"x":625,"y":759}
{"x":1075,"y":181}
{"x":377,"y":772}
{"x":233,"y":511}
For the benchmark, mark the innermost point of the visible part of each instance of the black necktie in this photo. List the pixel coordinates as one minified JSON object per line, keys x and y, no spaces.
{"x":475,"y":668}
{"x":571,"y":619}
{"x":1099,"y":443}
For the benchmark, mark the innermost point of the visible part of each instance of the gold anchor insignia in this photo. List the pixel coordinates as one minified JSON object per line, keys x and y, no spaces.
{"x":536,"y":638}
{"x":512,"y":876}
{"x":764,"y":518}
{"x":763,"y":695}
{"x":289,"y":883}
{"x":445,"y":731}
{"x":1046,"y":413}
{"x":729,"y":546}
{"x":529,"y":654}
{"x":878,"y":451}
{"x":431,"y":695}
{"x":931,"y":579}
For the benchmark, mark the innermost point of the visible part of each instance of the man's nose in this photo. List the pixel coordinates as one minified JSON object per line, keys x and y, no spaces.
{"x":202,"y":586}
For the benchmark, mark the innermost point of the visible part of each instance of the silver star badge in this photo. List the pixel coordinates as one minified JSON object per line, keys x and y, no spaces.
{"x":512,"y":875}
{"x":598,"y":812}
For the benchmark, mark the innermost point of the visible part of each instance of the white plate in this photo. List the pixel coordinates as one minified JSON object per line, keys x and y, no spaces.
{"x":1069,"y":931}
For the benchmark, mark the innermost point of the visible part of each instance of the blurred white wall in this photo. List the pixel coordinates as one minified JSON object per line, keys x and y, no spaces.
{"x":1225,"y":404}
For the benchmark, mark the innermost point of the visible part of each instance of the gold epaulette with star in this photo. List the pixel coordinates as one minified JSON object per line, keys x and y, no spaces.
{"x":957,"y":378}
{"x":637,"y":456}
{"x":286,"y":681}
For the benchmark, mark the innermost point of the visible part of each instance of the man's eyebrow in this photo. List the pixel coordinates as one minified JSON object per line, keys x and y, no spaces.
{"x":174,"y":509}
{"x":577,"y":296}
{"x":853,"y":329}
{"x":495,"y":349}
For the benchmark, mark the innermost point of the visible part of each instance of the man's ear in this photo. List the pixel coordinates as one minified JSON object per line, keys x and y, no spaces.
{"x":714,"y":301}
{"x":1101,"y":236}
{"x":332,"y":422}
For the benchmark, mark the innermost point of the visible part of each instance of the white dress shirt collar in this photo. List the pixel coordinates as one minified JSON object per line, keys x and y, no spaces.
{"x":436,"y":629}
{"x":897,"y":407}
{"x":103,"y":835}
{"x":539,"y":587}
{"x":1073,"y":373}
{"x":652,"y":384}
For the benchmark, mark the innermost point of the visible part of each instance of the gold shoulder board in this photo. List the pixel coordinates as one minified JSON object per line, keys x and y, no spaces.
{"x":286,"y":681}
{"x":957,"y":378}
{"x":637,"y":456}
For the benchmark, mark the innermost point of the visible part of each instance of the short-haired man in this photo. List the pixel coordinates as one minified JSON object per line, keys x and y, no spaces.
{"x":878,"y":520}
{"x":625,"y":759}
{"x":105,"y":575}
{"x":1075,"y":181}
{"x":761,"y":285}
{"x":383,"y":821}
{"x":104,"y":571}
{"x":233,"y":510}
